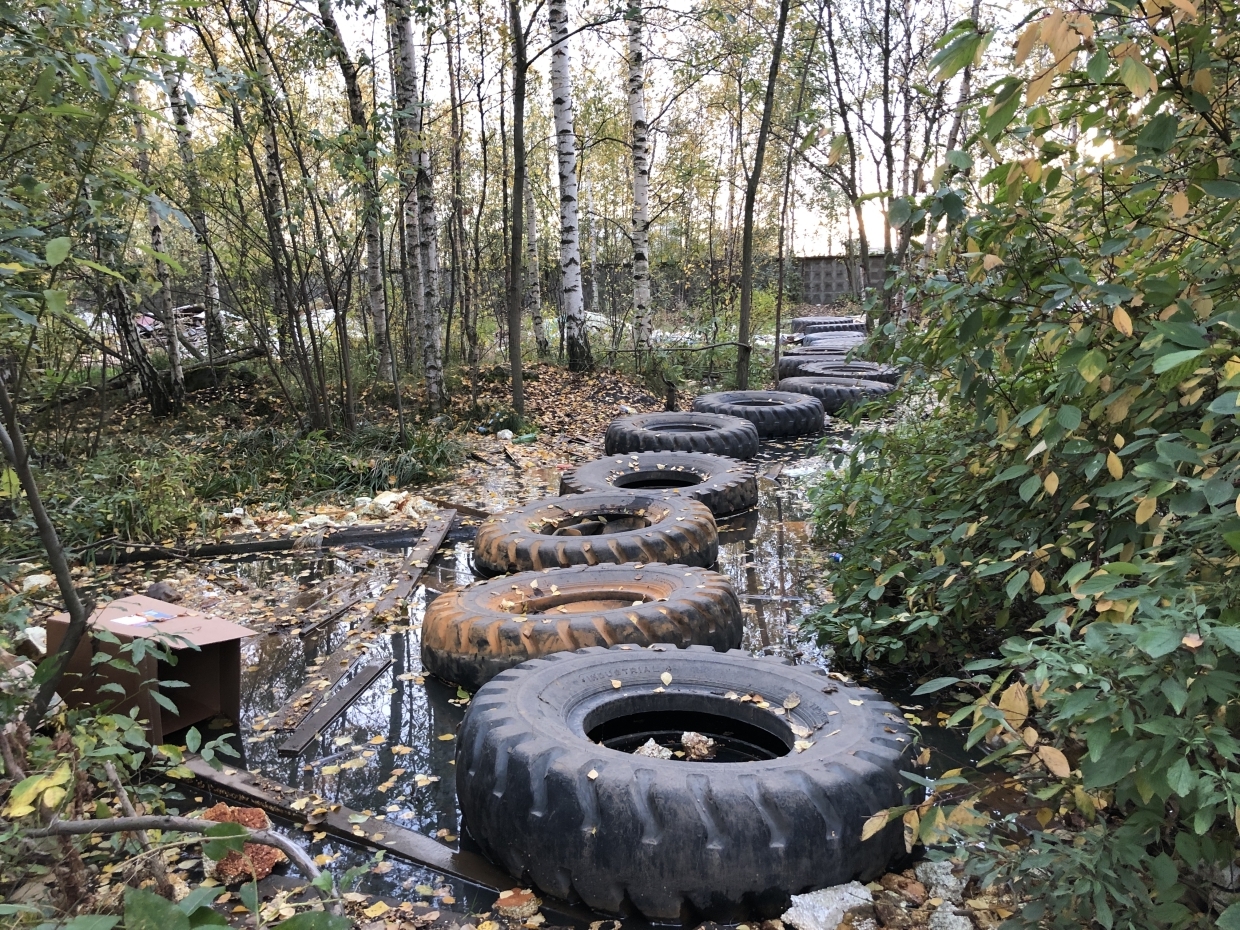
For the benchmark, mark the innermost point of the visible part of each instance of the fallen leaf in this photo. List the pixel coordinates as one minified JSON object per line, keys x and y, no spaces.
{"x":446,"y":736}
{"x":801,"y":745}
{"x":592,"y":774}
{"x":378,"y":909}
{"x":666,"y":678}
{"x":792,"y":701}
{"x":615,"y":682}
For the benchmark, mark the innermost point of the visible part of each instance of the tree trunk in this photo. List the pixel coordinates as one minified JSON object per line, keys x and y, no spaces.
{"x":643,"y":324}
{"x":163,"y":294}
{"x":405,"y":84}
{"x":516,"y":227}
{"x":216,"y":340}
{"x":533,"y":287}
{"x":576,"y":335}
{"x":751,"y":195}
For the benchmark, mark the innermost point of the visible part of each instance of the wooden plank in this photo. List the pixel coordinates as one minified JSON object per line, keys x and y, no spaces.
{"x":239,"y":785}
{"x":337,"y":665}
{"x":332,"y":708}
{"x":380,"y":535}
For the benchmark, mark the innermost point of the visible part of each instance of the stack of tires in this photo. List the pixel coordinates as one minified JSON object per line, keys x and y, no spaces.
{"x":606,"y":641}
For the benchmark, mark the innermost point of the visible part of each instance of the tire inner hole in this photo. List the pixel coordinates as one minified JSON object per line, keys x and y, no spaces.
{"x":759,"y":403}
{"x":680,"y":428}
{"x":595,"y":524}
{"x":666,"y":721}
{"x":656,"y":479}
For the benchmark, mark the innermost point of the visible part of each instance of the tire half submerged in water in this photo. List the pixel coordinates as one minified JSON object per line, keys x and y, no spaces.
{"x":774,"y":413}
{"x":725,"y":485}
{"x":682,"y":432}
{"x":551,"y":789}
{"x":603,"y":527}
{"x":472,"y":634}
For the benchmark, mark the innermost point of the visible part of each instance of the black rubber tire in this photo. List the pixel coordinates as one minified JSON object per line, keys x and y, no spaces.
{"x":676,"y":840}
{"x":837,"y":393}
{"x":818,"y":324}
{"x":833,"y":339}
{"x":725,"y":485}
{"x":774,"y":413}
{"x":682,"y":432}
{"x":671,"y":530}
{"x":867,"y":370}
{"x":792,"y":365}
{"x":472,"y":634}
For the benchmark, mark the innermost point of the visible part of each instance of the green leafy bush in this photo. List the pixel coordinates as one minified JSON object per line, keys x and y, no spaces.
{"x":1074,"y":484}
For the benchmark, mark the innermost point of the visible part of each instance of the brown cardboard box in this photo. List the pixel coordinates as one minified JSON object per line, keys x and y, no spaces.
{"x":212,"y":671}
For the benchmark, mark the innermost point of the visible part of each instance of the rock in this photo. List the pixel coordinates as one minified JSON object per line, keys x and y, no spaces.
{"x":36,"y":582}
{"x":697,"y":747}
{"x":828,"y":908}
{"x":945,"y":918}
{"x":386,"y":503}
{"x":235,"y":867}
{"x":653,"y":750}
{"x":163,"y":591}
{"x":890,"y":913}
{"x":517,"y":903}
{"x":942,"y":881}
{"x":913,"y":891}
{"x":361,"y":503}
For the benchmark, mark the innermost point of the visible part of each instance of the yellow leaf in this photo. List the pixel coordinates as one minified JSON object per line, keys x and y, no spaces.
{"x":1030,"y":736}
{"x":1146,"y":509}
{"x":615,"y":682}
{"x":377,"y":740}
{"x":1179,"y":204}
{"x":444,"y":737}
{"x":1037,"y":87}
{"x":1055,"y":761}
{"x":592,"y":774}
{"x":1033,"y":168}
{"x":1187,"y":6}
{"x":1203,"y":81}
{"x":1122,"y":321}
{"x":912,"y":820}
{"x":875,"y":823}
{"x":1045,"y":815}
{"x":52,"y":797}
{"x":1051,"y":483}
{"x":1192,"y":641}
{"x":666,"y":678}
{"x":1024,"y":45}
{"x":991,"y":262}
{"x":1115,"y":466}
{"x":1037,"y":582}
{"x":1014,"y":702}
{"x":378,"y":909}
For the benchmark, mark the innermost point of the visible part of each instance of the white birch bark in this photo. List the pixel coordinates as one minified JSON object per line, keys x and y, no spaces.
{"x":643,"y":324}
{"x":533,"y":288}
{"x":575,"y":335}
{"x":408,"y":126}
{"x":216,"y":340}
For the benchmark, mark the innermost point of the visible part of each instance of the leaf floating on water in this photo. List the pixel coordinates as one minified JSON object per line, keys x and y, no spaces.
{"x":666,"y":678}
{"x":401,"y":750}
{"x":377,"y":740}
{"x":446,"y":736}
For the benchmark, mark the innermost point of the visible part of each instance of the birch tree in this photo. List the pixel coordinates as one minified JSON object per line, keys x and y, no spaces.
{"x":533,"y":287}
{"x":642,"y":322}
{"x":575,"y":335}
{"x":216,"y":341}
{"x":428,"y":251}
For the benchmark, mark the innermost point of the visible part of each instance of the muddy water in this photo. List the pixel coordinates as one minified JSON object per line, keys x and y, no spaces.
{"x":391,"y":753}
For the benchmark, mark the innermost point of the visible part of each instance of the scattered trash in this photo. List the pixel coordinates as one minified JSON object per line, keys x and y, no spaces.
{"x":517,"y":902}
{"x":698,"y":748}
{"x":504,"y":435}
{"x":653,"y":750}
{"x":255,"y":861}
